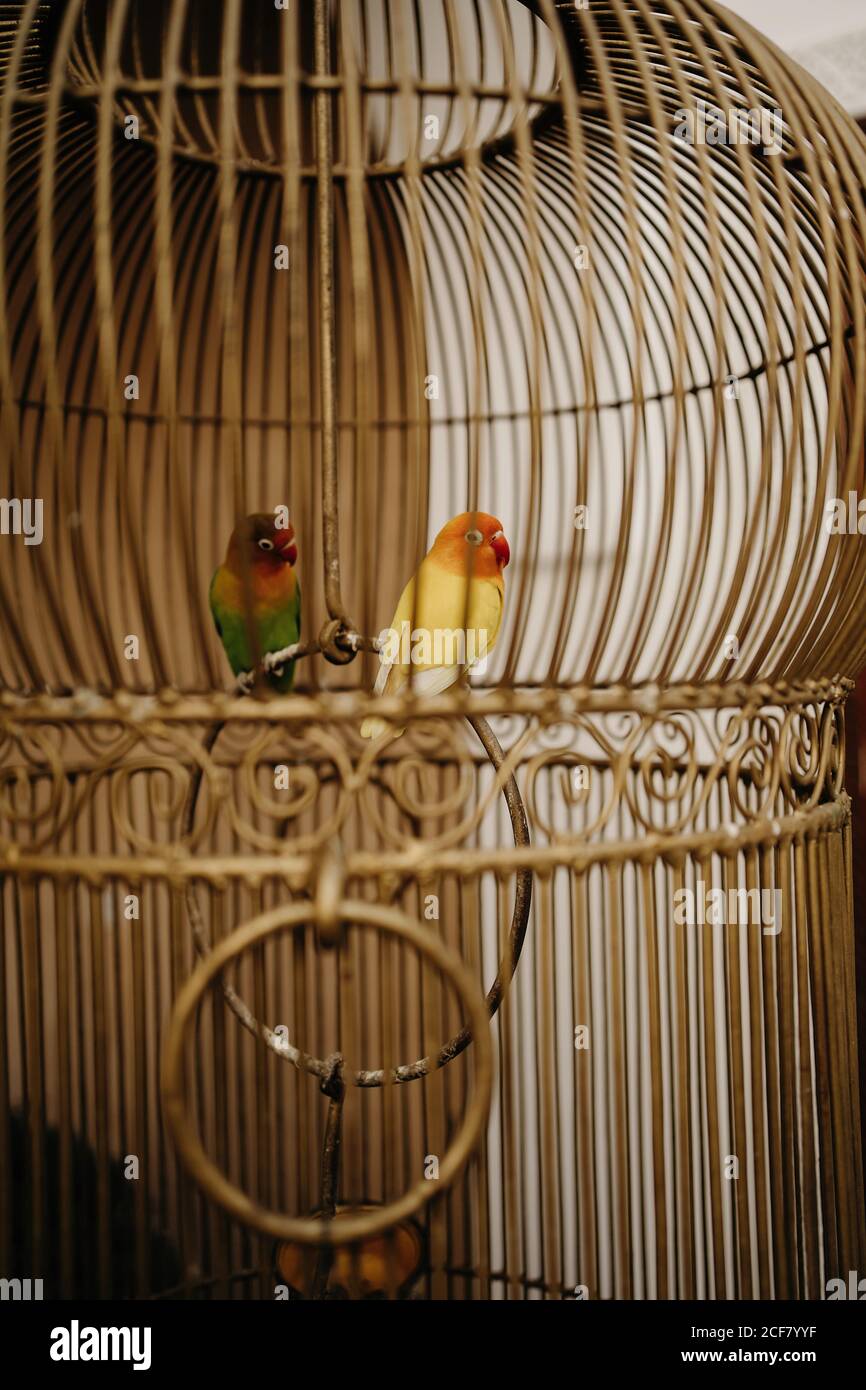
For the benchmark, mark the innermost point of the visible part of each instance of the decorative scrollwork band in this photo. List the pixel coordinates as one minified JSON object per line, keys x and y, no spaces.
{"x":586,"y":773}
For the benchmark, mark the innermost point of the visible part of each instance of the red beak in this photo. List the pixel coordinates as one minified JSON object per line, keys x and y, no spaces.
{"x":500,"y":549}
{"x":288,"y":551}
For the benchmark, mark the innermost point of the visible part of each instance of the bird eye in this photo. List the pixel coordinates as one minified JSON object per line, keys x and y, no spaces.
{"x":474,"y":537}
{"x":266,"y":545}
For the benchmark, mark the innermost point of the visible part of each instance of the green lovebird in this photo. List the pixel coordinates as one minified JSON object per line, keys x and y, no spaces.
{"x":255,"y":595}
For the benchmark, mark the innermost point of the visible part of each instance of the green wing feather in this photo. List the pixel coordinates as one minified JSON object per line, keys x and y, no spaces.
{"x":279,"y":630}
{"x":276,"y":630}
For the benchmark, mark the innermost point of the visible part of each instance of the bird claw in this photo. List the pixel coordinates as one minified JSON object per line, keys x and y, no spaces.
{"x":271,"y":665}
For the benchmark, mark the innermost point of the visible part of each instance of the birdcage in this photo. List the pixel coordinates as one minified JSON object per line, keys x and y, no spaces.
{"x":553,"y":995}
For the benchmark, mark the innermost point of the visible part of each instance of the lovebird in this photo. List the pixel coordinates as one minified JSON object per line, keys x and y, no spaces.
{"x":257,"y":583}
{"x":439,"y":629}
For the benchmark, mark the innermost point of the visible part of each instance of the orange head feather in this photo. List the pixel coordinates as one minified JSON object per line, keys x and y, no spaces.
{"x":473,"y":542}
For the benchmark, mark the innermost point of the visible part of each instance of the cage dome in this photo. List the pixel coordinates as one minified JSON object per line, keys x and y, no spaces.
{"x":599,"y":271}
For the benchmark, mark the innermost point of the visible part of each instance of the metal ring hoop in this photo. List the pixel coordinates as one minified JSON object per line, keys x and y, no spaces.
{"x":316,"y":1066}
{"x":306,"y":1230}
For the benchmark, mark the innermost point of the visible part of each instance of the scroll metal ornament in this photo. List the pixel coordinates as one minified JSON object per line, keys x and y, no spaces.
{"x":665,"y":766}
{"x":308,"y":1230}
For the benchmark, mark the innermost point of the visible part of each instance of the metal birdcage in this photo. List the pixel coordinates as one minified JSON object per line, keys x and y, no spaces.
{"x":571,"y":961}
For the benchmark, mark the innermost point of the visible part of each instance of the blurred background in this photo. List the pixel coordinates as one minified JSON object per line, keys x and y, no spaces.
{"x":828,"y":39}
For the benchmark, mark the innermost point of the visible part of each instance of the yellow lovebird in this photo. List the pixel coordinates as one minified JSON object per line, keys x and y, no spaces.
{"x":449,"y":614}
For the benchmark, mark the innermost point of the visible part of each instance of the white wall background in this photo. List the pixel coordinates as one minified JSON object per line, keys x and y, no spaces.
{"x":827,"y":38}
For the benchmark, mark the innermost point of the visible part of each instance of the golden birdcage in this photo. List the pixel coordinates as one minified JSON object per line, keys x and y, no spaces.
{"x":552,"y":996}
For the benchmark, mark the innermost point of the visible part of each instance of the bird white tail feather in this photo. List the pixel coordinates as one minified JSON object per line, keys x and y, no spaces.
{"x":434,"y":681}
{"x":431,"y":682}
{"x":374,"y":728}
{"x":382,"y":679}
